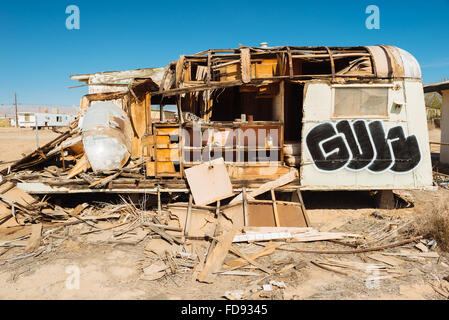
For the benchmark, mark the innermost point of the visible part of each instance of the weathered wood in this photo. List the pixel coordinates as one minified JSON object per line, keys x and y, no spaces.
{"x":251,"y":261}
{"x":240,"y":262}
{"x":35,"y":238}
{"x":283,"y":180}
{"x":275,"y":209}
{"x":216,"y":258}
{"x":188,"y":215}
{"x":245,"y":65}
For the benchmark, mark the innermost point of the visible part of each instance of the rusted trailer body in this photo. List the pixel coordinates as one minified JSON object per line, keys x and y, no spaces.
{"x":346,"y":118}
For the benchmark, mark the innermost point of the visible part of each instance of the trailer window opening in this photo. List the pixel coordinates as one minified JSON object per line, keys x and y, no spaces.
{"x":358,"y":102}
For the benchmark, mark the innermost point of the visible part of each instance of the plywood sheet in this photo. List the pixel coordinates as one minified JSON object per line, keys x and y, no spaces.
{"x":209,"y":182}
{"x":19,"y":196}
{"x":262,"y":215}
{"x":137,"y":112}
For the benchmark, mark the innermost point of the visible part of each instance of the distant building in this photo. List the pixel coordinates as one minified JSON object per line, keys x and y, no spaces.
{"x":33,"y":119}
{"x":168,"y":115}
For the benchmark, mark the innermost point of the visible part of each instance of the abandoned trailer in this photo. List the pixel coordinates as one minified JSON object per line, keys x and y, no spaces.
{"x":345,"y":118}
{"x":239,"y":135}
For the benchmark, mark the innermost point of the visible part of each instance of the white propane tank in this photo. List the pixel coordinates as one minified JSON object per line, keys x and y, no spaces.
{"x":106,"y":132}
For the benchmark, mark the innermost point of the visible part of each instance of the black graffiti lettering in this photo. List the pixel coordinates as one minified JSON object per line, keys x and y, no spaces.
{"x":384,"y":158}
{"x":406,"y":150}
{"x":357,"y":146}
{"x":333,"y":153}
{"x":360,"y":143}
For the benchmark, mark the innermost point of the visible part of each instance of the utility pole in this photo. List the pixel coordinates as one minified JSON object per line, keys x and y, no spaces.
{"x":17,"y":118}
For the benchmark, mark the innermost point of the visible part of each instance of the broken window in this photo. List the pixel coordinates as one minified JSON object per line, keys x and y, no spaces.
{"x":356,"y":102}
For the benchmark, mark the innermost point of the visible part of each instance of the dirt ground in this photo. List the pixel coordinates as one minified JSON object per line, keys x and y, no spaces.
{"x":114,"y":270}
{"x":16,"y":141}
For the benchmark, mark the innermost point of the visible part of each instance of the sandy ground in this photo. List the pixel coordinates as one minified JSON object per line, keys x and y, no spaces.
{"x":114,"y":271}
{"x":17,"y":141}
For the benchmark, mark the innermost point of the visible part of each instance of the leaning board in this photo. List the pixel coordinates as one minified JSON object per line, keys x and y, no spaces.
{"x":209,"y":182}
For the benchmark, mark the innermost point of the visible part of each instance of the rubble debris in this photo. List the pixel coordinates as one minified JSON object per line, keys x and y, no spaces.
{"x":279,"y":284}
{"x":217,"y":256}
{"x":421,"y":247}
{"x":234,"y":294}
{"x":250,"y":237}
{"x":249,"y":260}
{"x":35,"y":238}
{"x":240,"y":262}
{"x":267,"y":287}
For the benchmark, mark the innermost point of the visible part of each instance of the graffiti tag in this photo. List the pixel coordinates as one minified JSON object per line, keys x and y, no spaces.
{"x":360,"y":145}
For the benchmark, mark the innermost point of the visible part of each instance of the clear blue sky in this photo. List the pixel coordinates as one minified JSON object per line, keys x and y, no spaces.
{"x":38,"y":53}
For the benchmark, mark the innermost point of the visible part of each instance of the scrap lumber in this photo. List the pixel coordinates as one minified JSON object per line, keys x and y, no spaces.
{"x":322,"y":266}
{"x":240,"y":262}
{"x":35,"y":239}
{"x":18,"y":196}
{"x":321,"y":236}
{"x":292,"y":230}
{"x":217,"y":256}
{"x":188,"y":214}
{"x":209,"y":182}
{"x":251,"y":261}
{"x":78,"y":209}
{"x":275,"y":209}
{"x":392,"y":245}
{"x":103,"y":182}
{"x":81,"y":166}
{"x":283,"y":180}
{"x":245,"y":63}
{"x":164,"y":235}
{"x":251,"y":237}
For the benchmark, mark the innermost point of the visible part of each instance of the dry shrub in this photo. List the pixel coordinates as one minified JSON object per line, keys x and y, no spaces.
{"x":434,"y":224}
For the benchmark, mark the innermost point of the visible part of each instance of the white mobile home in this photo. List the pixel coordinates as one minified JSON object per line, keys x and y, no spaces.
{"x":346,"y":118}
{"x":42,"y":120}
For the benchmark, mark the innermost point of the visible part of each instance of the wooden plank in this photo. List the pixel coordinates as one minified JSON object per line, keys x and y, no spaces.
{"x":188,"y":215}
{"x":217,"y":256}
{"x":240,"y":262}
{"x":251,"y":237}
{"x":245,"y":207}
{"x":137,"y":115}
{"x":35,"y":239}
{"x":19,"y":196}
{"x":209,"y":182}
{"x":245,"y":65}
{"x":251,"y":261}
{"x":283,"y":180}
{"x":167,"y":154}
{"x":301,"y":201}
{"x":275,"y":209}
